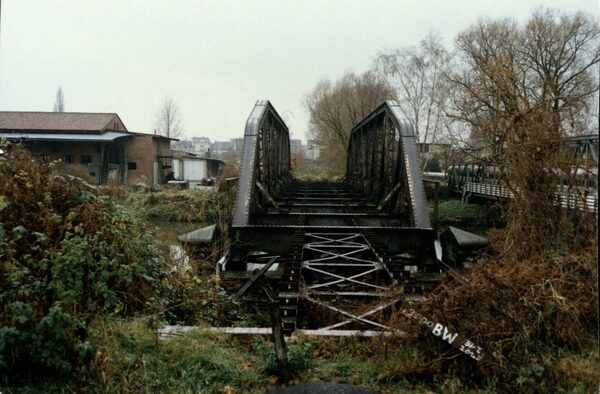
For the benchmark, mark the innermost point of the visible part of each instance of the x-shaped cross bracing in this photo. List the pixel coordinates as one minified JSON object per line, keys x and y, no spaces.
{"x":334,"y":259}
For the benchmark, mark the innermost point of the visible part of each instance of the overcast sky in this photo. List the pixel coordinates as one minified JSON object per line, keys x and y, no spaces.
{"x":214,"y":58}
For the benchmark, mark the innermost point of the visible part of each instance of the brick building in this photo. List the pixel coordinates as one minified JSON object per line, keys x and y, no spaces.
{"x":98,"y":144}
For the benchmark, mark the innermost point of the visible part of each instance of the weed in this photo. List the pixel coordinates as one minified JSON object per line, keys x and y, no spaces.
{"x":67,"y":256}
{"x":455,"y":212}
{"x":312,"y":170}
{"x":181,"y":205}
{"x":300,"y":354}
{"x":526,"y":314}
{"x":189,"y":299}
{"x":131,"y":360}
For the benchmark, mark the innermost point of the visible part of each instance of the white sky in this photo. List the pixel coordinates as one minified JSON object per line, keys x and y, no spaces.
{"x":215,"y":58}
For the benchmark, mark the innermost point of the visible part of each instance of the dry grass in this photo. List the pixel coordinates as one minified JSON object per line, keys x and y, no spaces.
{"x":525,"y":313}
{"x":78,"y":170}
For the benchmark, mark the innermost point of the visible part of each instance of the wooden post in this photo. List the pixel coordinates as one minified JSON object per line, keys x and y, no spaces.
{"x":436,"y":216}
{"x":103,"y":176}
{"x":276,"y":326}
{"x":279,"y":341}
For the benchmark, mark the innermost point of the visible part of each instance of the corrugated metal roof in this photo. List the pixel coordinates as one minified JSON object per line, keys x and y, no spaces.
{"x":106,"y":136}
{"x":60,"y":121}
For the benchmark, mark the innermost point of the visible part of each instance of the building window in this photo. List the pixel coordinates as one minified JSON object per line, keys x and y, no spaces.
{"x":86,"y":159}
{"x":67,"y":159}
{"x":132,"y":165}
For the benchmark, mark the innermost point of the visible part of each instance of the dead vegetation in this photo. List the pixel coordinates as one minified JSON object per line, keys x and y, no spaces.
{"x":230,"y":170}
{"x":335,"y":107}
{"x":77,"y":170}
{"x":533,"y":299}
{"x":525,"y":313}
{"x":202,"y":206}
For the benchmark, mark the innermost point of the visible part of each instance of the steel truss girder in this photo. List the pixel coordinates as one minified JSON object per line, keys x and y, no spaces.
{"x":350,"y":261}
{"x":266,"y":162}
{"x":353,"y":317}
{"x":382,"y":159}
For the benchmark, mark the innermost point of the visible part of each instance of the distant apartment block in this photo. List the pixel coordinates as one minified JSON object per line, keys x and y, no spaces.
{"x":232,"y":149}
{"x":201,"y":145}
{"x":296,"y":147}
{"x":312,"y":150}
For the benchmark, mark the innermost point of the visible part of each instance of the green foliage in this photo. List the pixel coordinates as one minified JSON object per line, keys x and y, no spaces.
{"x":433,"y":164}
{"x":189,"y":299}
{"x":558,"y":372}
{"x":67,"y":256}
{"x":300,"y":354}
{"x":131,"y":360}
{"x":454,"y":212}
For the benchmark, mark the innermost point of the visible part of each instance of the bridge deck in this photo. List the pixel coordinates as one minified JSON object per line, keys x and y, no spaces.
{"x":334,"y":243}
{"x":323,"y":204}
{"x":339,"y":246}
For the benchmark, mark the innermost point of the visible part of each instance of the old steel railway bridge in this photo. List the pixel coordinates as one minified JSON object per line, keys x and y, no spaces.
{"x":334,"y":245}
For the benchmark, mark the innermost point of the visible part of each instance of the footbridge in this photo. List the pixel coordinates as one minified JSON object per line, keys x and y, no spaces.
{"x":335,"y":248}
{"x":577,"y":187}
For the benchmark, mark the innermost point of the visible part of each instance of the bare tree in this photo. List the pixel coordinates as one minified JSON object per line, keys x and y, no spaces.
{"x":509,"y":69}
{"x":59,"y":103}
{"x":168,"y":119}
{"x":560,"y":58}
{"x":523,"y":88}
{"x":335,"y":108}
{"x":417,"y":75}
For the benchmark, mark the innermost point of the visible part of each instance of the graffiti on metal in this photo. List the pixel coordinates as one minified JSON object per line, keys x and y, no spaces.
{"x":439,"y":330}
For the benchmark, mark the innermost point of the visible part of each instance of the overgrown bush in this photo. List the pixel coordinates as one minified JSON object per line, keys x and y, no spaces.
{"x":67,"y":256}
{"x":182,"y":205}
{"x":433,"y":164}
{"x":527,"y":314}
{"x":190,"y":299}
{"x":78,"y":170}
{"x":231,"y":169}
